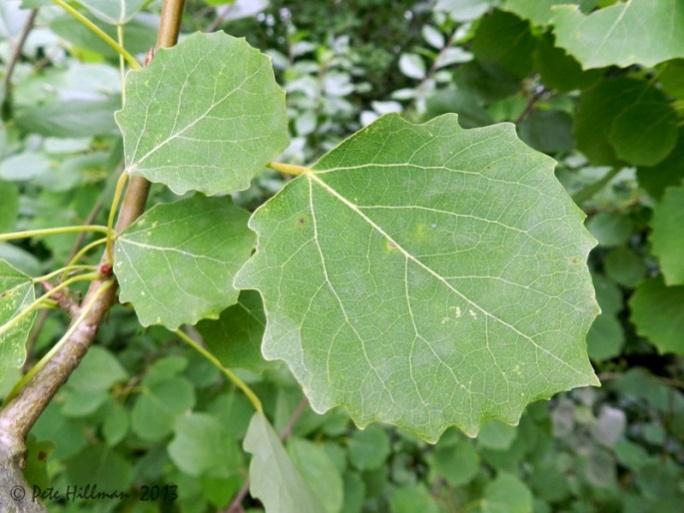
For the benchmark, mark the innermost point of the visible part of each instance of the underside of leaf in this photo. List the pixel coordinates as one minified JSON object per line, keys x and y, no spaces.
{"x":426,"y":276}
{"x":205,"y":115}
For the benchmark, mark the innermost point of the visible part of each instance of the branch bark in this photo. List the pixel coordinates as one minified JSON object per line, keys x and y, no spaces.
{"x":19,"y":415}
{"x":16,"y":55}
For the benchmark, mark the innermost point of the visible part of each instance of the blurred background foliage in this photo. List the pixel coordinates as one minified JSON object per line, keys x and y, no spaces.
{"x":142,"y":410}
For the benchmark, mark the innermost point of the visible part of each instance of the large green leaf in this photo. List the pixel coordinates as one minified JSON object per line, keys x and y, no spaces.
{"x":205,"y":115}
{"x":426,"y":276}
{"x":273,"y":478}
{"x":16,"y":293}
{"x":176,"y":263}
{"x":642,"y":32}
{"x":667,"y":237}
{"x":658,"y":314}
{"x":116,"y":12}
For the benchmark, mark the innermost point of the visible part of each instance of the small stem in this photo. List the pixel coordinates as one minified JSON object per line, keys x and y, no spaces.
{"x":588,"y":192}
{"x":227,"y":372}
{"x":132,"y":62}
{"x":118,"y":192}
{"x":37,"y":367}
{"x":85,"y":249}
{"x":54,"y":231}
{"x":16,"y":51}
{"x":29,"y":309}
{"x":64,"y":271}
{"x":289,"y":169}
{"x":122,"y":62}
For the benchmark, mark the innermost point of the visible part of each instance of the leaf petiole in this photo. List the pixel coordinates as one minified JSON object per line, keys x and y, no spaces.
{"x":64,"y":271}
{"x":38,"y":302}
{"x":82,"y":252}
{"x":289,"y":169}
{"x":118,"y":193}
{"x":74,"y":325}
{"x":132,"y":61}
{"x":227,"y":372}
{"x":53,"y":231}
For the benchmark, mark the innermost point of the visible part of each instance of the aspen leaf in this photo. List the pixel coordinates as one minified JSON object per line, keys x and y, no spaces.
{"x":205,"y":115}
{"x":16,"y":293}
{"x":273,"y":477}
{"x":657,"y":311}
{"x":615,"y":35}
{"x":426,"y":276}
{"x":176,"y":263}
{"x":667,"y":237}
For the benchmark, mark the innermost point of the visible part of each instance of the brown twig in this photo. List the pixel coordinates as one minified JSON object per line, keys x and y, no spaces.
{"x":19,"y":415}
{"x":16,"y":53}
{"x":539,"y":92}
{"x":236,"y":504}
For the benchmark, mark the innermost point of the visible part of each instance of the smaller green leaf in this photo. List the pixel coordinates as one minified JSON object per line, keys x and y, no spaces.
{"x":504,"y":39}
{"x":658,"y":314}
{"x":99,"y":464}
{"x":656,"y":179}
{"x":205,"y":115}
{"x":274,"y":479}
{"x":157,"y":408}
{"x":201,"y":447}
{"x":496,"y":435}
{"x":464,"y":10}
{"x":176,"y":263}
{"x":625,"y":267}
{"x":99,"y":370}
{"x":16,"y":294}
{"x":616,"y":36}
{"x":368,"y":449}
{"x":605,"y":338}
{"x":411,"y":499}
{"x":116,"y":423}
{"x":625,"y":120}
{"x":667,"y":238}
{"x":235,"y":337}
{"x":610,"y":228}
{"x":560,"y":71}
{"x":549,"y":131}
{"x":538,"y":12}
{"x":507,"y":494}
{"x":316,"y":467}
{"x":458,"y":463}
{"x":354,"y":493}
{"x":645,"y":133}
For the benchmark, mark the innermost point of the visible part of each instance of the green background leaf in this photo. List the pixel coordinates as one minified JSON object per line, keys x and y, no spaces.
{"x":274,"y":479}
{"x":616,"y":36}
{"x":668,"y":236}
{"x":199,"y":243}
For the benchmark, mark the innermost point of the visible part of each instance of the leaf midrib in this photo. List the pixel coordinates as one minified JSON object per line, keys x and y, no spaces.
{"x":354,"y":208}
